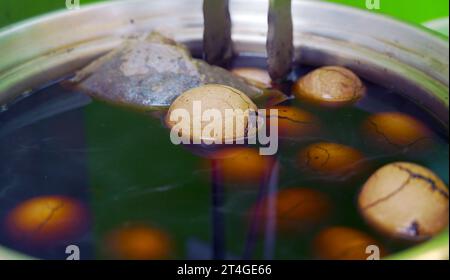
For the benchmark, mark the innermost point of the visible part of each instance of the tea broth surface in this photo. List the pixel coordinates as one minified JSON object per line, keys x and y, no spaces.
{"x":117,"y":174}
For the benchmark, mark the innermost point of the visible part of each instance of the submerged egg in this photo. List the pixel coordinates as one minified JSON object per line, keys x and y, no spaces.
{"x":295,"y":209}
{"x":395,"y":131}
{"x":138,"y":242}
{"x":406,"y":201}
{"x":255,"y":76}
{"x":198,"y":105}
{"x":331,"y":86}
{"x":242,"y":165}
{"x":46,"y":219}
{"x":342,"y":243}
{"x":331,"y":161}
{"x":295,"y":123}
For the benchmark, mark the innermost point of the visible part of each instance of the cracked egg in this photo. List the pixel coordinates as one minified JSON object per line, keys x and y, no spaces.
{"x":343,"y":243}
{"x":242,"y":165}
{"x":138,"y":242}
{"x":331,"y":161}
{"x":395,"y":131}
{"x":405,"y":201}
{"x":295,"y":123}
{"x":196,"y":106}
{"x":46,"y":219}
{"x":330,"y":86}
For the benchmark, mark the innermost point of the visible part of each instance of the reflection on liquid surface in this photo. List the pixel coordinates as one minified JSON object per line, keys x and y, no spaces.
{"x":126,"y":192}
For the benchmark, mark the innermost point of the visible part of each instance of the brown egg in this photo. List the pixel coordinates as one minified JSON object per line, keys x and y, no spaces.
{"x":296,"y":209}
{"x":47,"y":219}
{"x":406,"y":201}
{"x":330,"y":86}
{"x":342,"y":243}
{"x":331,"y":161}
{"x":242,"y":165}
{"x":255,"y":76}
{"x":138,"y":242}
{"x":394,"y":131}
{"x":210,"y":98}
{"x":295,"y":123}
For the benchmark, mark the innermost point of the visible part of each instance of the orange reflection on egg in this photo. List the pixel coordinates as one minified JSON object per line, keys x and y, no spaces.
{"x":294,"y":122}
{"x":138,"y":242}
{"x":295,"y":209}
{"x":45,"y":219}
{"x":242,"y":165}
{"x":395,"y":131}
{"x":343,"y":243}
{"x":331,"y":161}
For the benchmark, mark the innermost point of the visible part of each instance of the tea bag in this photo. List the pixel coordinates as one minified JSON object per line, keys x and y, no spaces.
{"x":149,"y":73}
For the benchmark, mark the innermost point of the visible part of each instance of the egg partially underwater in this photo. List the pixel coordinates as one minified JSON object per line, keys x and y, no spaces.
{"x":47,"y":219}
{"x":405,"y":201}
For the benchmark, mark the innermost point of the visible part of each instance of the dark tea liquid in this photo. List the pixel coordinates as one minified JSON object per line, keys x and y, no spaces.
{"x":113,"y":168}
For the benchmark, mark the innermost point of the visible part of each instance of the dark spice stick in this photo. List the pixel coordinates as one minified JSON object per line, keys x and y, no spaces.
{"x":280,"y":47}
{"x":217,"y":42}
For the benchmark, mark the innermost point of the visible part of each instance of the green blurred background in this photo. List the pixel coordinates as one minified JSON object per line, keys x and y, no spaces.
{"x":413,"y":11}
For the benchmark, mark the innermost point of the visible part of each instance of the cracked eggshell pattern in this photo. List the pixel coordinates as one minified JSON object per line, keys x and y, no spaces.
{"x":405,"y":201}
{"x":45,"y":219}
{"x":217,"y":97}
{"x":330,"y":86}
{"x":294,"y":122}
{"x":395,"y":131}
{"x":331,"y":161}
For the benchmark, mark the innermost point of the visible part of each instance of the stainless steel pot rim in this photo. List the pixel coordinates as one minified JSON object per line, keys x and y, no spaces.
{"x":406,"y":58}
{"x":409,"y":59}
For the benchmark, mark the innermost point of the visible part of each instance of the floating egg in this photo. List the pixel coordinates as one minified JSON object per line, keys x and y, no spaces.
{"x":342,"y":243}
{"x":242,"y":165}
{"x":405,"y":201}
{"x":295,"y":123}
{"x":192,"y":116}
{"x":330,"y":86}
{"x":395,"y":131}
{"x":138,"y":242}
{"x":47,"y":219}
{"x":331,"y":161}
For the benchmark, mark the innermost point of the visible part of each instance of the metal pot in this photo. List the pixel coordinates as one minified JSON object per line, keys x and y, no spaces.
{"x":396,"y":55}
